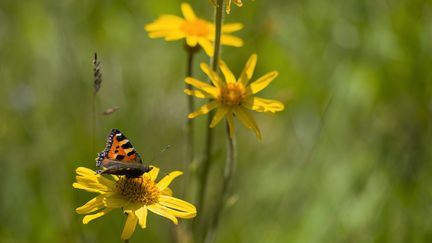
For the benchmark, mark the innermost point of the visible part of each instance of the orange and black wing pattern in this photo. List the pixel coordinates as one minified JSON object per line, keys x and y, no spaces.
{"x":118,"y":148}
{"x":120,"y":157}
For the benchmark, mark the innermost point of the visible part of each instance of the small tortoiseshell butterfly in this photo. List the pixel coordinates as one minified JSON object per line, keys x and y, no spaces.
{"x":120,"y":157}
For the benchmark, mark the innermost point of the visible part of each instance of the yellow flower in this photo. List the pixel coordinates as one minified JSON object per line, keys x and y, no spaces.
{"x":195,"y":30}
{"x":233,"y":97}
{"x":134,"y":195}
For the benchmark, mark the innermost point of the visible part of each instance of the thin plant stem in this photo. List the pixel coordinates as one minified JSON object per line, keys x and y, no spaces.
{"x":218,"y":33}
{"x":191,"y":108}
{"x":190,"y":133}
{"x":97,"y":81}
{"x":93,"y":123}
{"x":228,"y":172}
{"x":181,"y":233}
{"x":206,"y":160}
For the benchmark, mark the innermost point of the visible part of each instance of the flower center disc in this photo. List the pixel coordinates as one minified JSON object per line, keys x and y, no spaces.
{"x":232,"y":94}
{"x":139,"y":190}
{"x":197,"y":27}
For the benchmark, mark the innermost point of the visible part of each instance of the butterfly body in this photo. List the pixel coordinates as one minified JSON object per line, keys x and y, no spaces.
{"x":121,"y":168}
{"x":120,"y":157}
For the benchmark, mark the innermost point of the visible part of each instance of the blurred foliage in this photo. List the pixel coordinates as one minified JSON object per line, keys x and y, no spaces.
{"x":349,"y":160}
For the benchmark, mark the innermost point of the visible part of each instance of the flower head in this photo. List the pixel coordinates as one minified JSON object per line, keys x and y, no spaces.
{"x":233,"y":96}
{"x":134,"y":195}
{"x":195,"y":30}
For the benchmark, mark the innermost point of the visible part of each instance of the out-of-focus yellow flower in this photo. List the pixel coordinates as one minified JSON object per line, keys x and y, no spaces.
{"x":233,"y":97}
{"x":195,"y":30}
{"x":134,"y":195}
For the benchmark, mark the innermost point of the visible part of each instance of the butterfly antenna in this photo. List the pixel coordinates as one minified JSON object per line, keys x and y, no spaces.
{"x":160,"y":152}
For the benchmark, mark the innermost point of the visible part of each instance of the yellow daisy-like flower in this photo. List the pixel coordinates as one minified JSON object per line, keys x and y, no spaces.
{"x":195,"y":30}
{"x":233,"y":97}
{"x":134,"y":195}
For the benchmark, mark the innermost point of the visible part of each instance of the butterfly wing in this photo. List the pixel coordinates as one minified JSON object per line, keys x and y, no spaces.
{"x":118,"y":148}
{"x":122,"y":168}
{"x":120,"y":157}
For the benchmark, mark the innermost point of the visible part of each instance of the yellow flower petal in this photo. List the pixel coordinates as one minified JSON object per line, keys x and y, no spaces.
{"x":207,"y":46}
{"x":192,"y":40}
{"x":231,"y":40}
{"x":80,"y":186}
{"x":167,"y":192}
{"x":188,"y":12}
{"x":88,"y":178}
{"x":158,"y":209}
{"x":173,"y":36}
{"x":165,"y":34}
{"x":164,"y":183}
{"x":248,"y":70}
{"x":179,"y":214}
{"x":198,"y":94}
{"x":99,"y":182}
{"x":261,"y":83}
{"x":263,"y":105}
{"x":141,"y":213}
{"x":91,"y":184}
{"x":203,"y":86}
{"x":164,"y":22}
{"x":86,"y":173}
{"x":168,"y":27}
{"x":231,"y":27}
{"x":229,"y":76}
{"x":178,"y":204}
{"x":153,"y":173}
{"x":129,"y":227}
{"x":214,"y":77}
{"x":247,"y":120}
{"x":90,"y":217}
{"x":83,"y":171}
{"x":92,"y":205}
{"x":220,"y":113}
{"x":204,"y":109}
{"x":115,"y":201}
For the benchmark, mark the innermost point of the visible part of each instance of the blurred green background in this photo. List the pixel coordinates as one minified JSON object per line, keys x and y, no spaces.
{"x":348,"y":160}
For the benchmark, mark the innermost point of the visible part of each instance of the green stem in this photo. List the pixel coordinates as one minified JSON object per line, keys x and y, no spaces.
{"x":180,"y":231}
{"x":191,"y":108}
{"x":93,"y":124}
{"x":97,"y":81}
{"x":218,"y":33}
{"x":206,"y":161}
{"x":190,"y":147}
{"x":228,"y":172}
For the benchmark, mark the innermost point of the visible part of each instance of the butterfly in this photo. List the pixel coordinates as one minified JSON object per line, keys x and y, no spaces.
{"x":120,"y":157}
